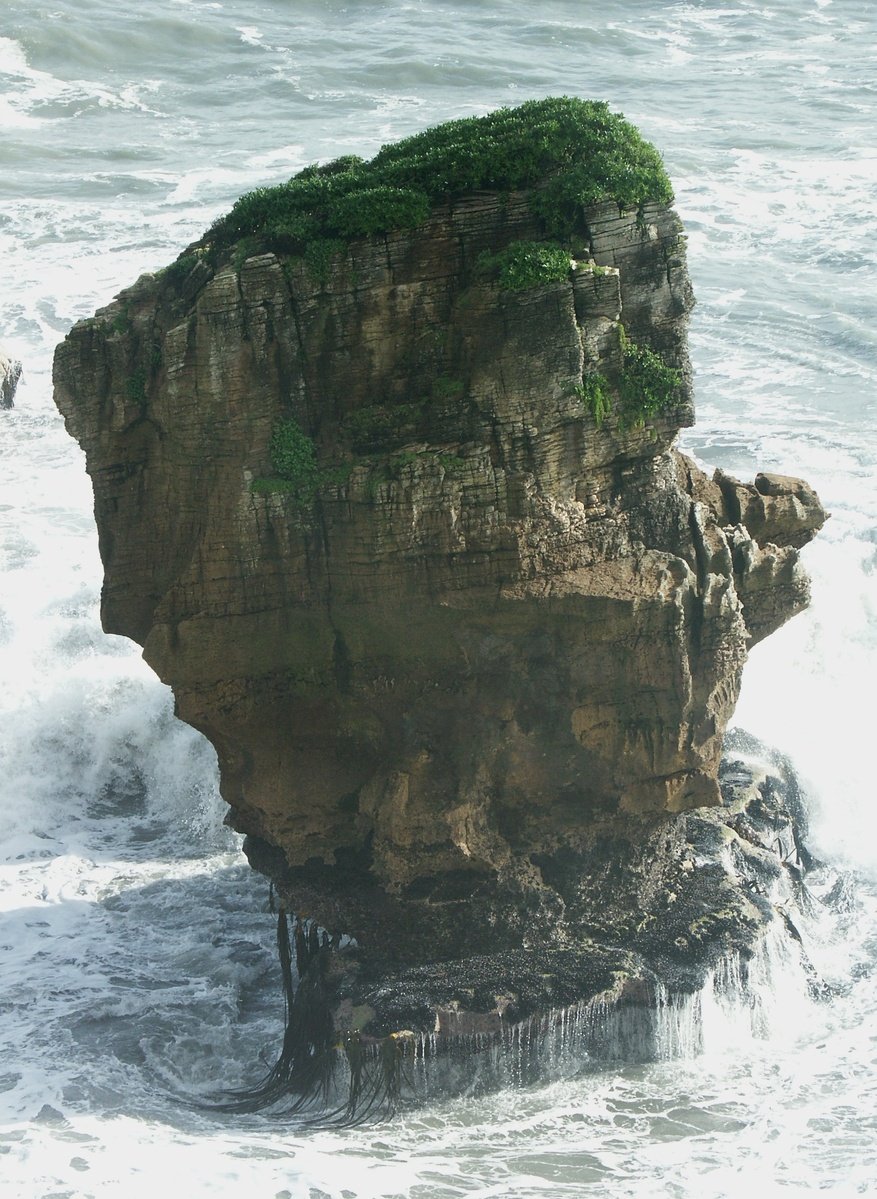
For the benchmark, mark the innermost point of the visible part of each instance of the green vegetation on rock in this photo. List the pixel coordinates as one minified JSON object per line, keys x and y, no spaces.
{"x":135,"y":386}
{"x":647,"y":385}
{"x":294,"y":462}
{"x":526,"y":264}
{"x":596,"y":396}
{"x":587,"y":154}
{"x":319,"y":255}
{"x":180,"y":269}
{"x":121,"y":322}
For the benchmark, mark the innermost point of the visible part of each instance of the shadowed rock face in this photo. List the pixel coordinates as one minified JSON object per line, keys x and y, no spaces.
{"x":502,"y":636}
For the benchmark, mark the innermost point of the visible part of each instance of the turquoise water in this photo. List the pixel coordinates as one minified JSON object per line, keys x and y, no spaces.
{"x":135,"y":954}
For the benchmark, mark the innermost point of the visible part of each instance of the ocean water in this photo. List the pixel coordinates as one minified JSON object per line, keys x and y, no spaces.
{"x":137,"y":974}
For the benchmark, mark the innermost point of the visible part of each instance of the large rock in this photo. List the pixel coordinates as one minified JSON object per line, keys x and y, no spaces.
{"x":494,"y":644}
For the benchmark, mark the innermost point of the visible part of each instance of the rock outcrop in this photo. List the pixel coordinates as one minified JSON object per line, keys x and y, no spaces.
{"x":469,"y":661}
{"x":10,"y":373}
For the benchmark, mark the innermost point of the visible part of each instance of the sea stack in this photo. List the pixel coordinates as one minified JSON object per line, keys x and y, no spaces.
{"x":386,"y":488}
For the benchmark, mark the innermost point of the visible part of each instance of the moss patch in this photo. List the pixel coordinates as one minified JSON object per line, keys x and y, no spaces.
{"x":294,"y":462}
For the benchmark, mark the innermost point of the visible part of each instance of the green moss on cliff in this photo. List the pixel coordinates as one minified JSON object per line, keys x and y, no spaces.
{"x":596,"y":396}
{"x":586,"y":152}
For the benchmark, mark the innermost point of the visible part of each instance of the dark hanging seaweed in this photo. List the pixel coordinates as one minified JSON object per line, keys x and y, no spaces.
{"x":305,"y":1075}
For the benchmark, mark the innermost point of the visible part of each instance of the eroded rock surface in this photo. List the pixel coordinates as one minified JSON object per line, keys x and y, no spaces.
{"x":656,"y":904}
{"x":500,"y":644}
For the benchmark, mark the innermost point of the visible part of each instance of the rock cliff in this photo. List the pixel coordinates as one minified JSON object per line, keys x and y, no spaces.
{"x":401,"y":522}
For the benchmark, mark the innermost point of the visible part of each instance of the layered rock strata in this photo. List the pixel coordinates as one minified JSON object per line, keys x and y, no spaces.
{"x":466,"y":684}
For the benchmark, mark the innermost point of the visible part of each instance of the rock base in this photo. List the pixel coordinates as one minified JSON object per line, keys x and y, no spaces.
{"x":662,"y":911}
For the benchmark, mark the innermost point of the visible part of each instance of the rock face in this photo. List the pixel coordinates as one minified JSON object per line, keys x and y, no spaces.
{"x":490,"y":647}
{"x":10,"y":373}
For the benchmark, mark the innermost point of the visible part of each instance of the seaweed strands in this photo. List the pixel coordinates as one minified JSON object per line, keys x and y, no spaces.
{"x":378,"y":1071}
{"x":309,"y":1075}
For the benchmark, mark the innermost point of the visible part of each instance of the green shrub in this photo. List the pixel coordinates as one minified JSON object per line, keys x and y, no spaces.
{"x":647,"y":385}
{"x":587,"y":153}
{"x":451,"y":462}
{"x":337,"y":475}
{"x":526,"y":264}
{"x":445,"y":388}
{"x":347,"y":162}
{"x":135,"y":386}
{"x":294,"y":460}
{"x":178,"y":271}
{"x":271,"y":485}
{"x":397,"y":464}
{"x":377,"y":209}
{"x":245,"y":248}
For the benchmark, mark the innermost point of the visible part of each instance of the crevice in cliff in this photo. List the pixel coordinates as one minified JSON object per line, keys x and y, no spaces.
{"x":341,"y":663}
{"x":302,"y":352}
{"x":699,"y":601}
{"x":728,"y":488}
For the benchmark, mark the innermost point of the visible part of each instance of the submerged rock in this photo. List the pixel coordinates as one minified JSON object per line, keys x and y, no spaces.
{"x":391,"y":501}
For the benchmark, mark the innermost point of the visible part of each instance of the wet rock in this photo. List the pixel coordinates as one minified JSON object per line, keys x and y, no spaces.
{"x":10,"y":373}
{"x":50,"y":1115}
{"x":661,"y":915}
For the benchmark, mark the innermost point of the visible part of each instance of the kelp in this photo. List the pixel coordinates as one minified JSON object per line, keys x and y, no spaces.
{"x":309,"y":1074}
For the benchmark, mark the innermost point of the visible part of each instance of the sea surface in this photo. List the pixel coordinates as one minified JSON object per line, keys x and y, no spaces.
{"x":137,"y":974}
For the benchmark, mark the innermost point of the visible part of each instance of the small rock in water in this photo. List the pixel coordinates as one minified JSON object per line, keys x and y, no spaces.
{"x":49,"y":1115}
{"x":10,"y":373}
{"x":843,"y":896}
